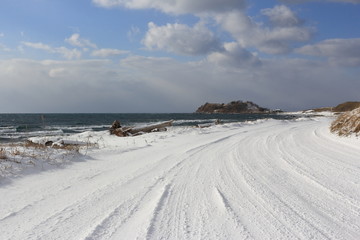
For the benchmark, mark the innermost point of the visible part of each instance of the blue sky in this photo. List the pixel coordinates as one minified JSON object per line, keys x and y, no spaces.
{"x":172,"y":56}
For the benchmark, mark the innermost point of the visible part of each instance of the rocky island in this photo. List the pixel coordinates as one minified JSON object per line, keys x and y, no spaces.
{"x":232,"y":107}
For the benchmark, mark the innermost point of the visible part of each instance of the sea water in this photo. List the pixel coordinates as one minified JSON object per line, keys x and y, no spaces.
{"x":19,"y":127}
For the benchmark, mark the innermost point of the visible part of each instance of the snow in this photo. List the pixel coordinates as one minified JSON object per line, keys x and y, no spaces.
{"x":270,"y":179}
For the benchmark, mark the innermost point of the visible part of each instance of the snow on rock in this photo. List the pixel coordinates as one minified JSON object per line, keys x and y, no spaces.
{"x":347,"y":123}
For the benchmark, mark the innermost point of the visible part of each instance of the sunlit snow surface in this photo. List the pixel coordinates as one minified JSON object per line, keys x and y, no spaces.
{"x":270,"y":179}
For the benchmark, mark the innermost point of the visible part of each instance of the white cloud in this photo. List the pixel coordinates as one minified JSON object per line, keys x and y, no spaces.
{"x":68,"y":53}
{"x":38,"y":45}
{"x":75,"y":53}
{"x":234,"y":56}
{"x":2,"y":34}
{"x":176,"y":6}
{"x":181,"y":39}
{"x":285,"y":31}
{"x":133,"y":32}
{"x":65,"y":52}
{"x":107,"y":52}
{"x":338,"y":51}
{"x":275,"y":39}
{"x":77,"y":41}
{"x":4,"y":48}
{"x":281,"y":16}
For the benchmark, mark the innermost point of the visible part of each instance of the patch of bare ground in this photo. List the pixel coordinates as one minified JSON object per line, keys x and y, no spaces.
{"x":347,"y":123}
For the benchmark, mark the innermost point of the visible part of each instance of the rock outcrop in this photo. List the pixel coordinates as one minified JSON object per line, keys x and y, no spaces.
{"x":347,"y":123}
{"x":232,"y":107}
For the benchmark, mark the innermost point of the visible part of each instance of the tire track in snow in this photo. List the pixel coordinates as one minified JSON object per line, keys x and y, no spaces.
{"x":329,"y":189}
{"x":114,"y":220}
{"x":261,"y":184}
{"x":225,"y":203}
{"x":159,"y":207}
{"x":253,"y":208}
{"x":164,"y":176}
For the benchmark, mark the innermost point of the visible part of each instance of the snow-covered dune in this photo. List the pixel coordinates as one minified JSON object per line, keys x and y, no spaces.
{"x":268,"y":180}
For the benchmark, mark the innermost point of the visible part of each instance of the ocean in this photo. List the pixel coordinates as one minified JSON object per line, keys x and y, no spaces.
{"x":19,"y":127}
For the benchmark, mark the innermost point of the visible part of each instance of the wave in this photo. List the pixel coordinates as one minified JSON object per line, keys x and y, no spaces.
{"x":5,"y":130}
{"x":77,"y":129}
{"x":28,"y":128}
{"x":192,"y":121}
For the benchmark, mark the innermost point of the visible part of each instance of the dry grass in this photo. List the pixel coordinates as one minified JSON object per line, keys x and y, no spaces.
{"x":68,"y":147}
{"x":346,"y":106}
{"x":29,"y":144}
{"x":20,"y":152}
{"x":15,"y":157}
{"x":343,"y":107}
{"x":347,"y":123}
{"x":3,"y":155}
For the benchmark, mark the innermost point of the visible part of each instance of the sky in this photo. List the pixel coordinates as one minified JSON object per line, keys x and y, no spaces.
{"x":158,"y":56}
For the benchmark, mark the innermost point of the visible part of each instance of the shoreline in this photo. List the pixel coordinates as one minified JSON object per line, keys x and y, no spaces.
{"x":19,"y":127}
{"x":26,"y":154}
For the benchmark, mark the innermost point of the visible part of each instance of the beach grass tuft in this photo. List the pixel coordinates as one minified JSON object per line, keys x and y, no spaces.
{"x":347,"y":123}
{"x":3,"y":155}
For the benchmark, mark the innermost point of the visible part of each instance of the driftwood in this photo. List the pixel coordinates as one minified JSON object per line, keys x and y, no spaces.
{"x":151,"y":128}
{"x":114,"y":127}
{"x":117,"y":130}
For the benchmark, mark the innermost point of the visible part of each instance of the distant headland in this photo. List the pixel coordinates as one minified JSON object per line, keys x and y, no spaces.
{"x":250,"y":107}
{"x":342,"y":107}
{"x":232,"y":107}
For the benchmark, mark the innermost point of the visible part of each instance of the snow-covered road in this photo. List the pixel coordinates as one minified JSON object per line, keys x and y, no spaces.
{"x":270,"y":180}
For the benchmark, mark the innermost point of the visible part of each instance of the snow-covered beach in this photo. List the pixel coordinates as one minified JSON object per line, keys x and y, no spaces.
{"x":268,"y":179}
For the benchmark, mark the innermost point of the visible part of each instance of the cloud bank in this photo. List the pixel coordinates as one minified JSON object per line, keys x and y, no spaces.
{"x":338,"y":51}
{"x":148,"y":84}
